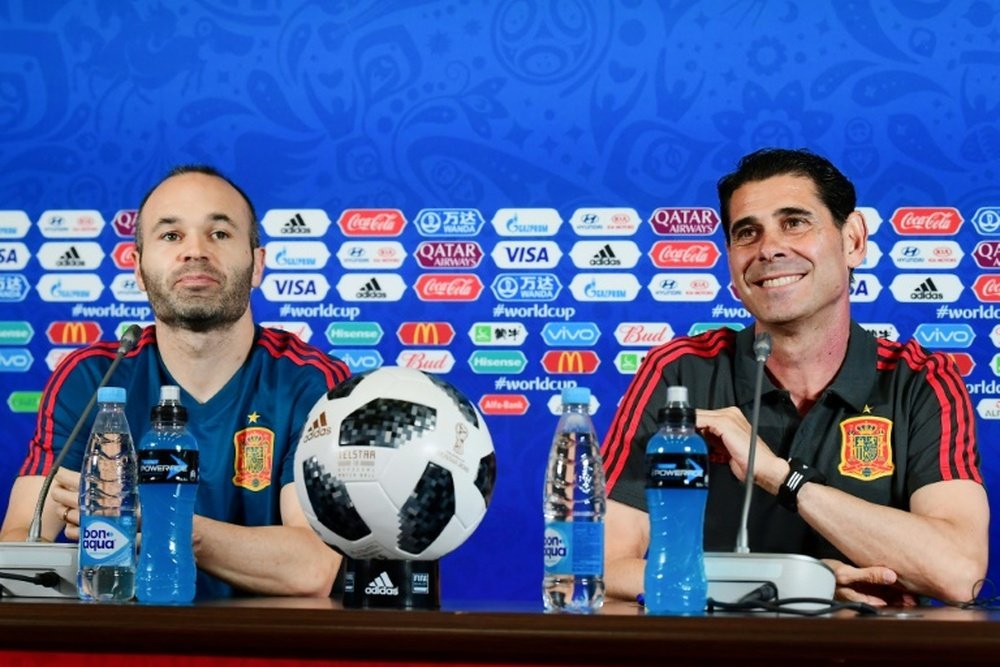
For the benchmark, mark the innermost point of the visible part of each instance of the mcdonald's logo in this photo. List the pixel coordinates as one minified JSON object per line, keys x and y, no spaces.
{"x":562,"y":362}
{"x":73,"y":333}
{"x":425,"y":333}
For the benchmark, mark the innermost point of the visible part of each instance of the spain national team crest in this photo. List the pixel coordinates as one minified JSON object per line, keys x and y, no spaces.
{"x":254,"y":454}
{"x":866,"y":448}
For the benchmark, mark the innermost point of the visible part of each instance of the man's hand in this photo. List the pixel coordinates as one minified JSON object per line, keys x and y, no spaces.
{"x":65,"y":494}
{"x":875,"y":585}
{"x":729,"y":426}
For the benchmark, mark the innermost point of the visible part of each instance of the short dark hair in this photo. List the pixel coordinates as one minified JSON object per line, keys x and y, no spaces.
{"x":207,"y":170}
{"x":833,"y":188}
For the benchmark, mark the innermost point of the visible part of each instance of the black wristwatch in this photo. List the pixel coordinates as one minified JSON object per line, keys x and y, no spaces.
{"x":798,"y":475}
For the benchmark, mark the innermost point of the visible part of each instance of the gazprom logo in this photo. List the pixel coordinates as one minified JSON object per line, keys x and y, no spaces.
{"x":526,"y":221}
{"x":571,"y":334}
{"x":945,"y":336}
{"x":64,"y":287}
{"x":986,"y":220}
{"x":358,"y":360}
{"x":526,"y":287}
{"x":449,"y":221}
{"x":604,"y":287}
{"x":296,"y":255}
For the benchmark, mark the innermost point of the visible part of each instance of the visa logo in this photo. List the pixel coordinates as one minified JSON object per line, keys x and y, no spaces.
{"x":294,"y":287}
{"x":570,"y":334}
{"x":526,"y":254}
{"x":946,"y":336}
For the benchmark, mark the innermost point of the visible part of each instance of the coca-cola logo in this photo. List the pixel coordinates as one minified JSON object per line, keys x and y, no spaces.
{"x":684,"y":254}
{"x":449,"y":287}
{"x":371,"y":222}
{"x":934,"y":221}
{"x":987,"y":288}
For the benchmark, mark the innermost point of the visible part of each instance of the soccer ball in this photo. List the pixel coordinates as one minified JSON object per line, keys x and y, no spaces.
{"x":395,"y":463}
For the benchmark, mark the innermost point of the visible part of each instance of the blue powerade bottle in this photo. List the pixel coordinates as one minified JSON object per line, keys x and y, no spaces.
{"x":676,"y":493}
{"x":168,"y":484}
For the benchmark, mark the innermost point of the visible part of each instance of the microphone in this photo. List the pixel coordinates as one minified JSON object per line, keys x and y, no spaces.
{"x":761,"y":351}
{"x":35,"y":555}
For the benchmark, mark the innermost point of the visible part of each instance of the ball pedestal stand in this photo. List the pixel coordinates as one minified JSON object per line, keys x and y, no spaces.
{"x":391,"y":584}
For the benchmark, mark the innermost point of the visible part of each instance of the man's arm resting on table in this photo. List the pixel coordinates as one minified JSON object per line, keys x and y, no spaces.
{"x":289,"y":559}
{"x":626,"y":542}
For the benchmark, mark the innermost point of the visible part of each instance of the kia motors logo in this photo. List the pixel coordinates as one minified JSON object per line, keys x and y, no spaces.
{"x":646,"y":334}
{"x":986,"y":220}
{"x":605,"y":221}
{"x":964,"y":362}
{"x":124,"y":223}
{"x":684,"y":286}
{"x":124,"y":255}
{"x":449,"y":221}
{"x":71,"y":224}
{"x":429,"y":361}
{"x":684,"y":254}
{"x":684,"y":221}
{"x":926,"y":254}
{"x":448,"y":287}
{"x":371,"y":222}
{"x":425,"y":333}
{"x":371,"y":254}
{"x":571,"y":334}
{"x":14,"y":224}
{"x":73,"y":333}
{"x":987,"y":254}
{"x":513,"y":405}
{"x":945,"y":336}
{"x":562,"y":362}
{"x":449,"y":254}
{"x":987,"y":288}
{"x":926,"y":221}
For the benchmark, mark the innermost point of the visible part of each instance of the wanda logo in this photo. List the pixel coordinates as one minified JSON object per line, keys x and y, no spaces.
{"x":371,"y":222}
{"x":939,"y":221}
{"x":449,"y":287}
{"x":684,"y":254}
{"x":987,"y":288}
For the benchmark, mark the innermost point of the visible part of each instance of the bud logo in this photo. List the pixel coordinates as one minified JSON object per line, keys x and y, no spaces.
{"x":429,"y":361}
{"x":125,"y":288}
{"x":16,"y":333}
{"x":885,"y":330}
{"x":381,"y":585}
{"x":371,"y":287}
{"x":497,"y":362}
{"x":684,"y":221}
{"x":604,"y":287}
{"x":15,"y":360}
{"x":448,"y":287}
{"x":526,"y":287}
{"x":371,"y":255}
{"x":646,"y":334}
{"x":562,"y":362}
{"x":124,"y":255}
{"x":55,"y":356}
{"x":354,"y":333}
{"x":926,"y":221}
{"x":873,"y":219}
{"x":605,"y":254}
{"x":526,"y":254}
{"x":124,"y":222}
{"x":526,"y":221}
{"x":605,"y":221}
{"x":13,"y":287}
{"x":872,"y":255}
{"x":63,"y":287}
{"x":14,"y":224}
{"x":295,"y":287}
{"x":70,"y":224}
{"x":987,"y":254}
{"x":570,"y":334}
{"x":943,"y":288}
{"x":987,"y":288}
{"x":513,"y":405}
{"x":449,"y":222}
{"x":371,"y":222}
{"x":507,"y":334}
{"x":13,"y":256}
{"x":73,"y":333}
{"x":358,"y":360}
{"x":300,"y":329}
{"x":987,"y":220}
{"x":684,"y":254}
{"x":865,"y":288}
{"x":944,"y":336}
{"x":425,"y":333}
{"x":964,"y":362}
{"x":628,"y":361}
{"x":296,"y":255}
{"x":684,"y":287}
{"x":926,"y":254}
{"x":296,"y":223}
{"x":449,"y":254}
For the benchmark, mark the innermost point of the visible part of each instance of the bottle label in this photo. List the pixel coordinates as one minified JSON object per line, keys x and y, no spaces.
{"x":676,"y":471}
{"x":574,"y":547}
{"x":107,"y":541}
{"x":161,"y":466}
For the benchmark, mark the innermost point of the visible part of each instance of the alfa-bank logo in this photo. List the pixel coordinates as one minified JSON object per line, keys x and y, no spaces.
{"x":605,"y":221}
{"x":669,"y":221}
{"x":371,"y":222}
{"x":926,"y":221}
{"x":513,"y":405}
{"x":449,"y":222}
{"x":448,"y":287}
{"x":526,"y":254}
{"x":70,"y":224}
{"x":380,"y":255}
{"x":684,"y":254}
{"x":295,"y":222}
{"x":448,"y":254}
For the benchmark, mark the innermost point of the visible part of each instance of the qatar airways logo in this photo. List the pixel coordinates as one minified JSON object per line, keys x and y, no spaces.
{"x":449,"y":254}
{"x":701,"y":221}
{"x":371,"y":222}
{"x":926,"y":221}
{"x":987,"y":254}
{"x":643,"y":334}
{"x":684,"y":254}
{"x":448,"y":287}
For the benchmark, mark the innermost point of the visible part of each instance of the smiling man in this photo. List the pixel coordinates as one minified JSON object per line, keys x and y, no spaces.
{"x":897,"y":508}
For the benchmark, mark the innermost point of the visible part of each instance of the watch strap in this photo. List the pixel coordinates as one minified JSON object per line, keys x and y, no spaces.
{"x":799,"y":474}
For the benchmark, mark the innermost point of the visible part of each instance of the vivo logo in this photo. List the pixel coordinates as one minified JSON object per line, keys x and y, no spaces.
{"x":570,"y":334}
{"x":358,"y":360}
{"x":945,"y":336}
{"x":15,"y":360}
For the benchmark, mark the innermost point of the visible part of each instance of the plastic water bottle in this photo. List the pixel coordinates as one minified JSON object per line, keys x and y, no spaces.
{"x":107,"y":505}
{"x":168,"y":484}
{"x":574,"y":511}
{"x":676,"y":492}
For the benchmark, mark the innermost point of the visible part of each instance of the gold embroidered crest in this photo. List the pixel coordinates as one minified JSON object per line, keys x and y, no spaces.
{"x":254,"y":454}
{"x":866,"y":448}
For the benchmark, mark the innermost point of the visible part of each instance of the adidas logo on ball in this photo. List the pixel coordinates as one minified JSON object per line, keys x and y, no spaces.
{"x":381,"y":585}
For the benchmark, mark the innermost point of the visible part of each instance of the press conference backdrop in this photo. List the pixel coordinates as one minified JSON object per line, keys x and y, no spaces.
{"x":518,"y":195}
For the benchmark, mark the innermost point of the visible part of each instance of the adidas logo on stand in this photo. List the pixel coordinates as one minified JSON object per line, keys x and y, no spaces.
{"x":381,"y":585}
{"x":296,"y":225}
{"x":605,"y":257}
{"x":317,"y":429}
{"x":926,"y":291}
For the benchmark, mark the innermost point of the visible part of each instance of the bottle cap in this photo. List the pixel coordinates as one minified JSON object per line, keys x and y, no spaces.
{"x":677,"y":394}
{"x":678,"y":411}
{"x":111,"y":395}
{"x":576,"y":395}
{"x":170,"y":393}
{"x":169,"y":410}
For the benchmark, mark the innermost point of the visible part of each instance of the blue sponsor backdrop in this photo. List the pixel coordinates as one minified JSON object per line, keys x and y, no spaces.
{"x":473,"y":111}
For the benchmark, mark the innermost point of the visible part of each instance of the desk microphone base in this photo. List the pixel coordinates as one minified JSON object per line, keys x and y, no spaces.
{"x":733,"y":575}
{"x":31,"y":558}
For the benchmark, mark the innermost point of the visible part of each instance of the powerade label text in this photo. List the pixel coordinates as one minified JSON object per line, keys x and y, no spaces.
{"x":676,"y":471}
{"x":574,"y":547}
{"x":158,"y":466}
{"x":107,"y":541}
